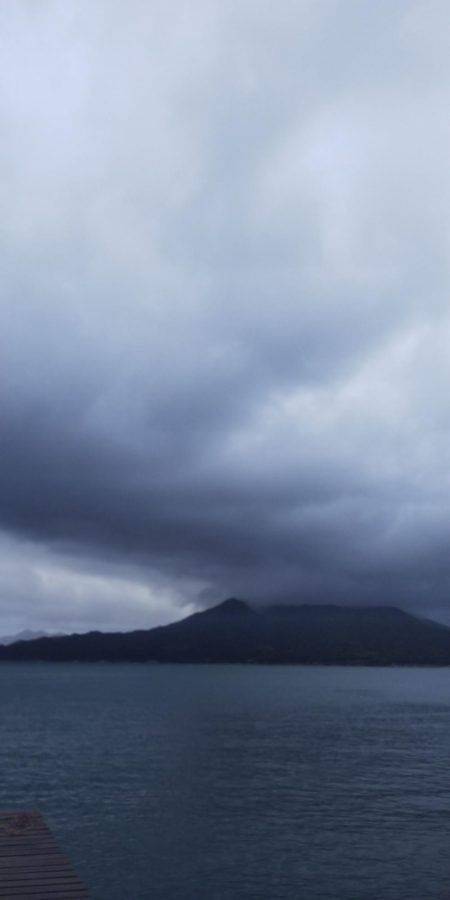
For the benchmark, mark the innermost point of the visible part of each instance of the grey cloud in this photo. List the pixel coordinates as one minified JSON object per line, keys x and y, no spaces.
{"x":224,"y":305}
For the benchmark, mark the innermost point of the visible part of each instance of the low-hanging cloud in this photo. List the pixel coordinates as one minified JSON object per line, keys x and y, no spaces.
{"x":224,"y":312}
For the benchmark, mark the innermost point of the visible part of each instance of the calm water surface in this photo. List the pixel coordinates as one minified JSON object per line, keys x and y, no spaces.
{"x":231,"y":783}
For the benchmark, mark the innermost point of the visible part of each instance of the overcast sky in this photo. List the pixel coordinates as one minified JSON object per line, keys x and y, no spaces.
{"x":224,"y":310}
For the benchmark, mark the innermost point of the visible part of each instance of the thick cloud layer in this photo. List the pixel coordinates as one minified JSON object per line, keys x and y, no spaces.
{"x":224,"y":246}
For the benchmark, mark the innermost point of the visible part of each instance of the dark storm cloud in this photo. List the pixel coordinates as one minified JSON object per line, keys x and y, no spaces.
{"x":224,"y":251}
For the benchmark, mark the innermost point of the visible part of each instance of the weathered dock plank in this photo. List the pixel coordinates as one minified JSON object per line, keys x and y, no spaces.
{"x":32,"y":866}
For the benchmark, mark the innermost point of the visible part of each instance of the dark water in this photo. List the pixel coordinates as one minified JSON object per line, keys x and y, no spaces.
{"x":219,"y":783}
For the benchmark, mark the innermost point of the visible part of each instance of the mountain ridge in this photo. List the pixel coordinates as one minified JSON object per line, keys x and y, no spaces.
{"x":234,"y":632}
{"x":27,"y":634}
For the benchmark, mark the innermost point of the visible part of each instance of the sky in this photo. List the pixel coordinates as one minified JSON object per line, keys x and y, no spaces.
{"x":224,"y":307}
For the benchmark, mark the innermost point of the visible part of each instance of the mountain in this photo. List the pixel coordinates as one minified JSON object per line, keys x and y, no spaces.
{"x":22,"y":636}
{"x":233,"y":632}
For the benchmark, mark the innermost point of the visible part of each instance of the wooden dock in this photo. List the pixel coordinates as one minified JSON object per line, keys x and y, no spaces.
{"x":32,"y":866}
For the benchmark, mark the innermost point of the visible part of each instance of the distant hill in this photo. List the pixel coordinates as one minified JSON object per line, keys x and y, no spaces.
{"x":22,"y":636}
{"x":234,"y":632}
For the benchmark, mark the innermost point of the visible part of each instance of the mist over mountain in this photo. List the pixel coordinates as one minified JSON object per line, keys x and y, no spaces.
{"x":25,"y":635}
{"x":234,"y":632}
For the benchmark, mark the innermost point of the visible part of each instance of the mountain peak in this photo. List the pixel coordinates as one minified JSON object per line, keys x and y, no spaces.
{"x":232,"y":606}
{"x":26,"y":635}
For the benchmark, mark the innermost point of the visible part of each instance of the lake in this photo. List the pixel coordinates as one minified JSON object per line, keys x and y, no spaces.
{"x":236,"y":782}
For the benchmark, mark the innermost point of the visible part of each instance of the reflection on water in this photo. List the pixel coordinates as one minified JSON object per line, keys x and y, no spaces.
{"x":218,"y":783}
